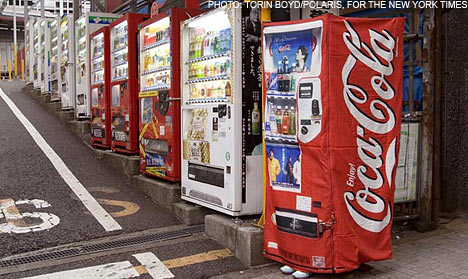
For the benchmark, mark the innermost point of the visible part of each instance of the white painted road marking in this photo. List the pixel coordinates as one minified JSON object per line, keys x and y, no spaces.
{"x":101,"y":215}
{"x":150,"y":265}
{"x":14,"y":218}
{"x":118,"y":270}
{"x":154,"y":266}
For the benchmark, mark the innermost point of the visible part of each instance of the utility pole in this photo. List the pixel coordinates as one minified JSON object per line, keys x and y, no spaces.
{"x":14,"y":40}
{"x":25,"y":21}
{"x":76,"y":10}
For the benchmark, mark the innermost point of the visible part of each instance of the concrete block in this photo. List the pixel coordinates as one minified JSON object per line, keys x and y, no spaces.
{"x":249,"y":248}
{"x":54,"y":107}
{"x":239,"y":236}
{"x":66,"y":116}
{"x":129,"y":165}
{"x":29,"y":87}
{"x":80,"y":127}
{"x":190,"y":214}
{"x":35,"y":93}
{"x":44,"y":98}
{"x":222,"y":229}
{"x":161,"y":192}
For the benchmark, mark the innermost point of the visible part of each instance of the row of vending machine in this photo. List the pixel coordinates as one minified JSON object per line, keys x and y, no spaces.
{"x":308,"y":110}
{"x":182,"y":89}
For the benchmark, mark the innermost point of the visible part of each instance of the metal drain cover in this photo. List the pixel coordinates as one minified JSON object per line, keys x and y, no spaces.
{"x":99,"y":247}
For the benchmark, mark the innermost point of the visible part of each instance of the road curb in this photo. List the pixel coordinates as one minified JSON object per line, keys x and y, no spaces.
{"x":239,"y":235}
{"x":190,"y":214}
{"x":167,"y":195}
{"x":128,"y":165}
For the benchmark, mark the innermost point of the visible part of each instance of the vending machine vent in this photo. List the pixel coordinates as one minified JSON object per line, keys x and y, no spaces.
{"x":206,"y":197}
{"x":206,"y":174}
{"x":295,"y":257}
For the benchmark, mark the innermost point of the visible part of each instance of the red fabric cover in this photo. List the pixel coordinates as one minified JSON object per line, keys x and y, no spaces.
{"x":358,"y":235}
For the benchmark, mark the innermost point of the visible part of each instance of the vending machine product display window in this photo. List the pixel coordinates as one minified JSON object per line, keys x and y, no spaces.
{"x":44,"y":52}
{"x":55,"y":53}
{"x":160,"y":94}
{"x":36,"y":60}
{"x":29,"y":57}
{"x":221,"y":97}
{"x":124,"y":82}
{"x":67,"y":62}
{"x":100,"y":88}
{"x":332,"y":101}
{"x":84,"y":26}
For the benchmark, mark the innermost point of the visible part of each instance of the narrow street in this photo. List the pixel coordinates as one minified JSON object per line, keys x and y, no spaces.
{"x":39,"y":209}
{"x":287,"y":139}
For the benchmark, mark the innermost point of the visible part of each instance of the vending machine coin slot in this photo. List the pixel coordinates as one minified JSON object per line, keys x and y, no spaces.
{"x":163,"y":102}
{"x":222,"y":111}
{"x":123,"y":87}
{"x":101,"y":92}
{"x":308,"y":109}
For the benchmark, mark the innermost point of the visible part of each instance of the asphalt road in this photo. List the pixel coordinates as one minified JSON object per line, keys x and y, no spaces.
{"x":187,"y":256}
{"x":27,"y":174}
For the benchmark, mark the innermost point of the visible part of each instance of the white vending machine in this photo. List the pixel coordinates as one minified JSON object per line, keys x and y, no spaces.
{"x":28,"y":43}
{"x":36,"y":59}
{"x":221,"y":111}
{"x":67,"y":62}
{"x":44,"y":52}
{"x":55,"y":52}
{"x":84,"y":26}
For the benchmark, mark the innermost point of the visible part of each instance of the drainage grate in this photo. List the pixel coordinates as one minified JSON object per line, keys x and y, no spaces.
{"x":101,"y":247}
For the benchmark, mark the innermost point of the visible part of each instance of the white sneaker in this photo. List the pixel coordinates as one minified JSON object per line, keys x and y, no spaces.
{"x":300,"y":275}
{"x":287,"y":270}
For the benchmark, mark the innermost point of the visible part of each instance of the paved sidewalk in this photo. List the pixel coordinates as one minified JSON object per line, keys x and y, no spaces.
{"x":439,"y":254}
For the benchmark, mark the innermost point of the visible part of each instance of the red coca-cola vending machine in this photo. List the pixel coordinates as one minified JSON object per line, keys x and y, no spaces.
{"x":100,"y":88}
{"x":124,"y":82}
{"x":160,"y":93}
{"x":332,"y":100}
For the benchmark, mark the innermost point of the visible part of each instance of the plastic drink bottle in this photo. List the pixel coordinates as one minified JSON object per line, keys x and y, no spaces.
{"x":227,"y":89}
{"x":285,"y":124}
{"x":292,"y":124}
{"x":279,"y":119}
{"x":293,"y":78}
{"x":272,"y":119}
{"x":255,"y":120}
